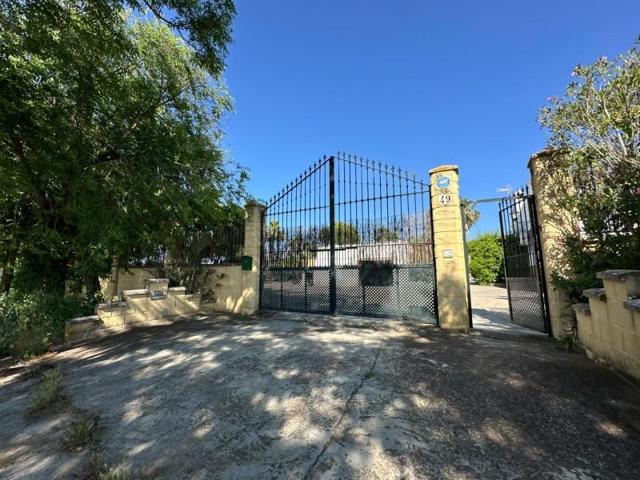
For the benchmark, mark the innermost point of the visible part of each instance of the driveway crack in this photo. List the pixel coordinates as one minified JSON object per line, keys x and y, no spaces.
{"x":345,"y":409}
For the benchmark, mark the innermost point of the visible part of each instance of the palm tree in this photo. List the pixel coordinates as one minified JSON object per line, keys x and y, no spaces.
{"x":471,"y":214}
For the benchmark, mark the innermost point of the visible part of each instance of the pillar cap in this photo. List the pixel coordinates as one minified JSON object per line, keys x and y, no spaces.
{"x":444,"y":168}
{"x":544,"y":153}
{"x":255,"y":203}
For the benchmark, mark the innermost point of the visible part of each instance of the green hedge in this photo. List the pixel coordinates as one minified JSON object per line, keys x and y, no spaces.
{"x":486,"y":258}
{"x":30,"y":323}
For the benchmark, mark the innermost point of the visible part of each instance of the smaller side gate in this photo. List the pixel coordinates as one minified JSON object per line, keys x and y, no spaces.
{"x":523,"y":267}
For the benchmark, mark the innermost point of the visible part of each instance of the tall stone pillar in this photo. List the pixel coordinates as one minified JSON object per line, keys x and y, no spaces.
{"x":252,"y":248}
{"x":556,"y":222}
{"x":449,"y":249}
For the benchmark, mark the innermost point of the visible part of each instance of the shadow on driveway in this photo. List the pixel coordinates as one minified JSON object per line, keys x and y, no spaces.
{"x":304,"y":396}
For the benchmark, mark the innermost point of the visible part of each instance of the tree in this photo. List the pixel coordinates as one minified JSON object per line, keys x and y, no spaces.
{"x":109,"y":131}
{"x":383,"y":234}
{"x":485,"y":258}
{"x":471,"y":214}
{"x":346,"y":234}
{"x":594,"y":138}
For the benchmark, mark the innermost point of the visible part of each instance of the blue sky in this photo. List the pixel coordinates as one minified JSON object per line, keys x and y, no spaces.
{"x":414,"y":84}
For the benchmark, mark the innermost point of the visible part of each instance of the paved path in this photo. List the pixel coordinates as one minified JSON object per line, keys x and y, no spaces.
{"x":287,"y":396}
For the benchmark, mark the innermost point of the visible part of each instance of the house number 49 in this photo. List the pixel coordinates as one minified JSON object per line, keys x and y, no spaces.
{"x":445,"y":199}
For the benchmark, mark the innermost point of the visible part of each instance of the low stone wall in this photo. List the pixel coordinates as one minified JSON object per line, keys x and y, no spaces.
{"x":609,"y":325}
{"x":156,"y":303}
{"x":227,"y":282}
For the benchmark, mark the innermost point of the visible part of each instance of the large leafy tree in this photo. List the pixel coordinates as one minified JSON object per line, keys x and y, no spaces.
{"x":595,"y":140}
{"x":109,"y":132}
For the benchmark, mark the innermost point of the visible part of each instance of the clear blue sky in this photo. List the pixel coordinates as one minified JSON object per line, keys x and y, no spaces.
{"x":411,"y":83}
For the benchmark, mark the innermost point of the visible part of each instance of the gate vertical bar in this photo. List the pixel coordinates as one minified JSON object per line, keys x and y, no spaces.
{"x":433,"y":259}
{"x":542,"y":284}
{"x":332,"y":237}
{"x":463,"y":217}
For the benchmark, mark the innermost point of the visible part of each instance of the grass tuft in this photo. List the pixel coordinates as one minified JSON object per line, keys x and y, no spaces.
{"x":81,"y":434}
{"x":49,"y":391}
{"x":101,"y":471}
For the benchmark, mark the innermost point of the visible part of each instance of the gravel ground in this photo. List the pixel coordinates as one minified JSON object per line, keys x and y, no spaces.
{"x":303,"y":396}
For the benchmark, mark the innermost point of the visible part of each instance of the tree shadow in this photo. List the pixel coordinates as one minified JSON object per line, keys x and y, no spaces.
{"x":304,"y":396}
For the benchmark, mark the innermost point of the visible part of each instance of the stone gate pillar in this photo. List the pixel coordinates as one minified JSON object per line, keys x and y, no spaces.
{"x":252,"y":248}
{"x":555,"y":222}
{"x":449,"y":249}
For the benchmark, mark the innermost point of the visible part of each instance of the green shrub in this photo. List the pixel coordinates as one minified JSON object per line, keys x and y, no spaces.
{"x":486,"y":258}
{"x":49,"y":391}
{"x":31,"y":322}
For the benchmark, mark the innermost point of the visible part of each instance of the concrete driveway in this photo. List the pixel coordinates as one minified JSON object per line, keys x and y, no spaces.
{"x":288,"y":396}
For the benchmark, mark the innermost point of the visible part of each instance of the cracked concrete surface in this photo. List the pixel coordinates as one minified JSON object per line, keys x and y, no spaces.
{"x":301,"y":396}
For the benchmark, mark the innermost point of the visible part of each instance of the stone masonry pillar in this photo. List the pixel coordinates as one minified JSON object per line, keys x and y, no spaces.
{"x":449,"y":251}
{"x":252,"y":248}
{"x":555,"y":223}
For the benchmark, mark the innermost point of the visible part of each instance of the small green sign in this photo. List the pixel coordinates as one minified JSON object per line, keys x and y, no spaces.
{"x":246,"y":262}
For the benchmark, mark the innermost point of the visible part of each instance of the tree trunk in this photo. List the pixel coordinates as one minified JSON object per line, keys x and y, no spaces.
{"x":6,"y":274}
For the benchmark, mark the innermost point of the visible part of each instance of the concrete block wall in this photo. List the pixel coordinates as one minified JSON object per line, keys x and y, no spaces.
{"x":609,"y":325}
{"x":151,"y":305}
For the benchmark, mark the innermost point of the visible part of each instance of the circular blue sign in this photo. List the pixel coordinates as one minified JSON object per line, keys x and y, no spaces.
{"x":443,"y":182}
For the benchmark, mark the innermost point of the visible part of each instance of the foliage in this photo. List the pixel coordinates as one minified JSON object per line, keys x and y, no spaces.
{"x":471,"y":213}
{"x":109,"y":146}
{"x":486,"y":258}
{"x":595,"y":140}
{"x":30,"y":322}
{"x":109,"y":132}
{"x":383,"y":234}
{"x":346,"y":234}
{"x":49,"y":391}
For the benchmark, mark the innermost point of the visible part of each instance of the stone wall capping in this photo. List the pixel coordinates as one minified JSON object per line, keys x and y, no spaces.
{"x":633,"y":305}
{"x":618,"y":275}
{"x":107,"y":305}
{"x":157,"y":280}
{"x":178,"y":289}
{"x":582,"y":307}
{"x":87,"y":319}
{"x":136,"y":292}
{"x":597,"y":293}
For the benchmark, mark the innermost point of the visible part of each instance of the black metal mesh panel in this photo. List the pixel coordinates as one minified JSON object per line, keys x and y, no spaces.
{"x":318,"y":290}
{"x":271,"y":289}
{"x":526,"y":308}
{"x":410,"y":293}
{"x":349,"y":292}
{"x":417,"y":286}
{"x":293,"y":289}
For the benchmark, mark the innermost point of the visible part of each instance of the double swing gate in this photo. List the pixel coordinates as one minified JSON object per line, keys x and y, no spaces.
{"x":350,"y":236}
{"x":523,"y":266}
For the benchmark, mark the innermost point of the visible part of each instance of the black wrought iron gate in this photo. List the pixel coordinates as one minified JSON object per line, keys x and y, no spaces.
{"x":523,"y":267}
{"x":350,"y":236}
